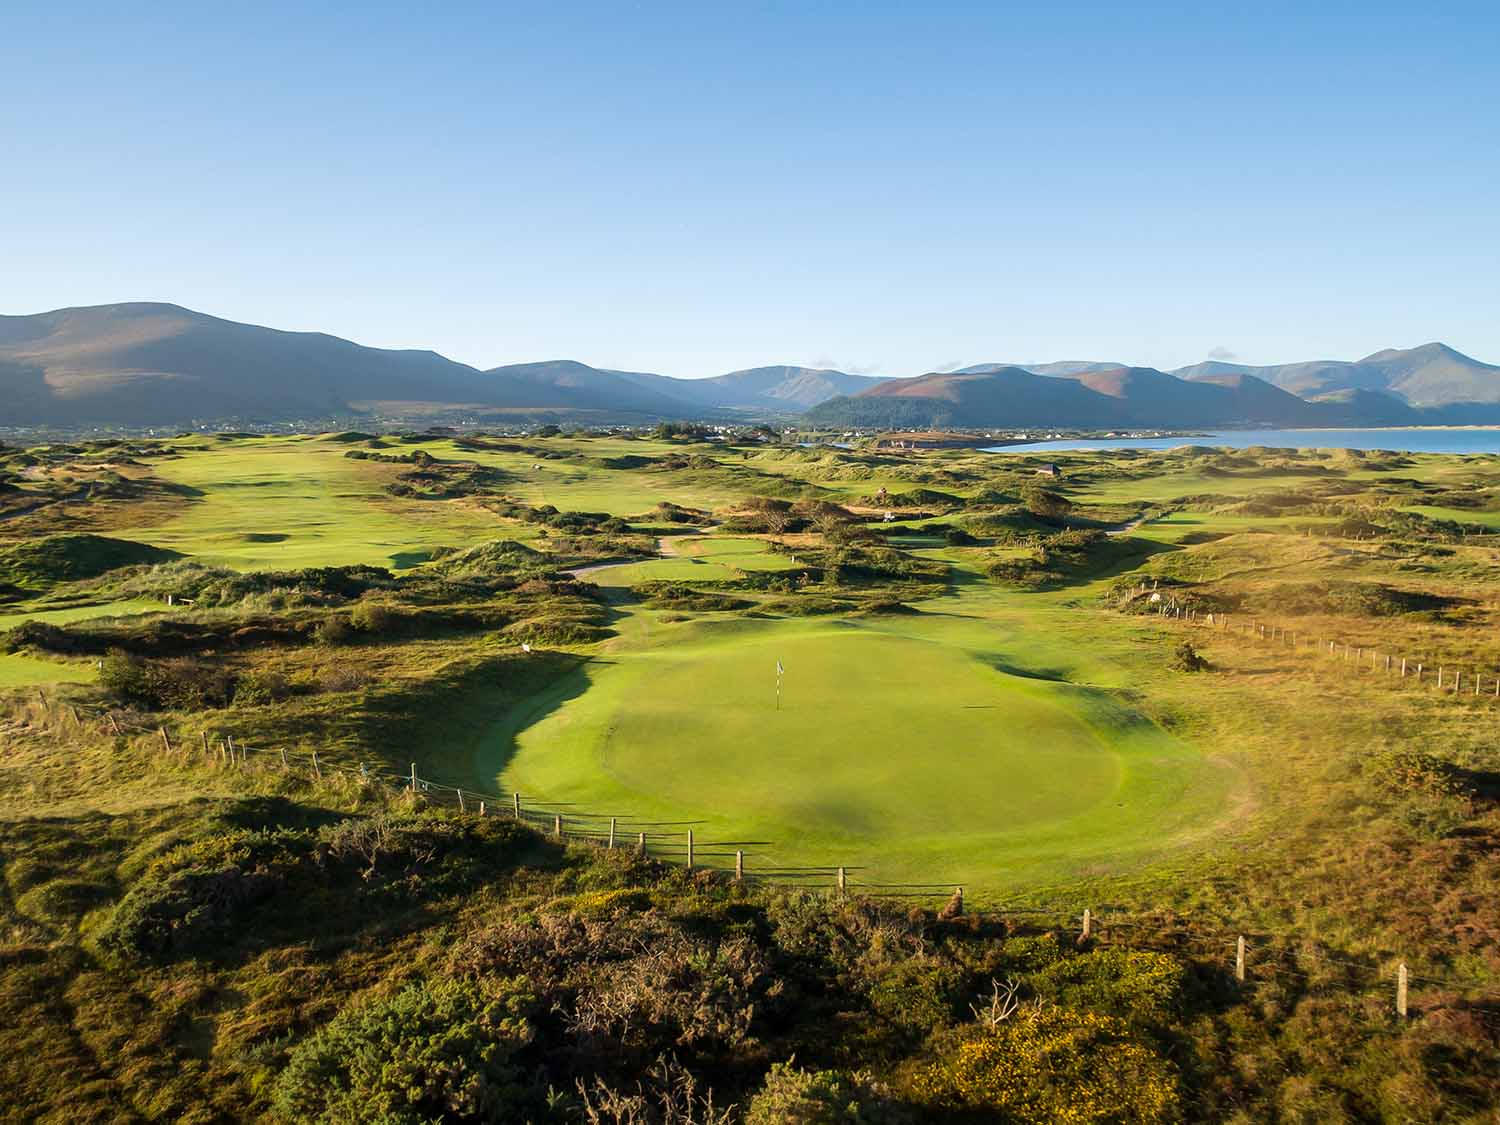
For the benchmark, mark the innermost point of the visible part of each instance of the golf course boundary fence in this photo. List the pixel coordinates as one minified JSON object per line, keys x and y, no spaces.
{"x":1250,"y":958}
{"x":1449,"y":677}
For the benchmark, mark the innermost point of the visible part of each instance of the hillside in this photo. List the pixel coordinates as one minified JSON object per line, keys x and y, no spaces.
{"x":157,"y":364}
{"x":1427,"y":376}
{"x":150,"y":364}
{"x":146,"y":364}
{"x":1099,"y":397}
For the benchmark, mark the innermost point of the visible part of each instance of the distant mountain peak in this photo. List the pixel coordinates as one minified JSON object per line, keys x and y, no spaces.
{"x":1434,"y":350}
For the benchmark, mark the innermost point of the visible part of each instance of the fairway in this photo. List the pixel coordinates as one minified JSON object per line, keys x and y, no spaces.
{"x":282,"y":503}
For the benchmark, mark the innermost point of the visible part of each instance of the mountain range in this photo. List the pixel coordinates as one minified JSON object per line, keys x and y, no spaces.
{"x":1428,"y":385}
{"x":150,"y":364}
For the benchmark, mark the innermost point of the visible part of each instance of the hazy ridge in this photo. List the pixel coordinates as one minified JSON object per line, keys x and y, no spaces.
{"x":140,"y":364}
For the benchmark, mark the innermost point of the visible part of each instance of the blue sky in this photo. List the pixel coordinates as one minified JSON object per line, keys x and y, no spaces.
{"x":699,"y":187}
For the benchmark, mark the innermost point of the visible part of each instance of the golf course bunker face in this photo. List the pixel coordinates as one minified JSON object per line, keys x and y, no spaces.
{"x":889,"y":746}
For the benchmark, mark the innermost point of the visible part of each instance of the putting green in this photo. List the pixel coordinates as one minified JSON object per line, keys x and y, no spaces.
{"x":912,"y":749}
{"x":847,"y":691}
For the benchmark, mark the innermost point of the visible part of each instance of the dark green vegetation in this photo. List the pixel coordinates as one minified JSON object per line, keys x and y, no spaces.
{"x":980,"y":688}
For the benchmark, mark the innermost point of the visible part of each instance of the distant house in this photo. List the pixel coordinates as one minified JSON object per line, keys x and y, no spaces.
{"x":1049,"y":470}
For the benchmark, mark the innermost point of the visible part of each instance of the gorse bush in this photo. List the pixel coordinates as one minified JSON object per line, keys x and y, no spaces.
{"x":436,"y":1051}
{"x":1185,"y":658}
{"x":182,"y":684}
{"x":1048,"y":1065}
{"x":1131,"y":984}
{"x":791,"y":1096}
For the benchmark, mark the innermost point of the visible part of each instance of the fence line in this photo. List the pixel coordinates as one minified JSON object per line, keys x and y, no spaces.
{"x":1247,"y":964}
{"x":1445,"y":677}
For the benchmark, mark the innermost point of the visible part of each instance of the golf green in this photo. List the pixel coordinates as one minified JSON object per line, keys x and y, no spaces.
{"x":828,"y":754}
{"x":909,"y":748}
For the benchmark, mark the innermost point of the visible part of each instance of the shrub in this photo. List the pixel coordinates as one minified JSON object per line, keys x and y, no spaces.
{"x":262,"y":687}
{"x":1121,"y":982}
{"x":1187,"y":659}
{"x":183,"y":912}
{"x":342,"y":678}
{"x":179,"y":685}
{"x":1051,"y":1064}
{"x":917,"y":995}
{"x":437,"y":1050}
{"x":791,"y":1096}
{"x":333,"y":630}
{"x":374,"y":618}
{"x":1414,"y":771}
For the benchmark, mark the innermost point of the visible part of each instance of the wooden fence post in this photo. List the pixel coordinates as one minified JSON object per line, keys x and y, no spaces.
{"x":1419,"y":671}
{"x":316,"y":768}
{"x":690,"y":849}
{"x":640,"y":844}
{"x":515,"y":802}
{"x":739,"y":866}
{"x":612,"y":833}
{"x":557,"y":825}
{"x":283,"y":758}
{"x":229,"y":742}
{"x":414,"y":777}
{"x":1401,"y":990}
{"x":203,"y":737}
{"x":1239,"y":959}
{"x":1403,"y":667}
{"x":843,"y":882}
{"x":460,"y":793}
{"x":1088,"y":924}
{"x":481,"y":810}
{"x":165,"y":741}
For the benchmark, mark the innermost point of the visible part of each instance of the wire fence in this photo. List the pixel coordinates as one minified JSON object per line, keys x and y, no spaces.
{"x":1251,"y":959}
{"x":1445,"y":675}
